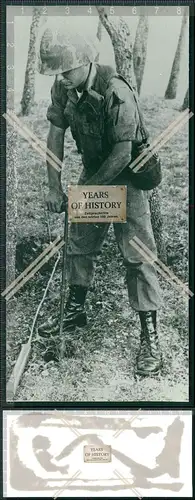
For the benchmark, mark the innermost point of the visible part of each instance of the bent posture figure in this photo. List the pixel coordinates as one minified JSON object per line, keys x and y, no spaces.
{"x":100,"y":110}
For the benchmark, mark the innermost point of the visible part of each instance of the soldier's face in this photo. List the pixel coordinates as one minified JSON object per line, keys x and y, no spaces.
{"x":75,"y":78}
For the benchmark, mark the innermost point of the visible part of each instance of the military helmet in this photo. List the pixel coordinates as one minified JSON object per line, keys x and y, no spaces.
{"x":62,"y":49}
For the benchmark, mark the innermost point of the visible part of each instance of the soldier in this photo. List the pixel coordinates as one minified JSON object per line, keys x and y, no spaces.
{"x":100,"y":110}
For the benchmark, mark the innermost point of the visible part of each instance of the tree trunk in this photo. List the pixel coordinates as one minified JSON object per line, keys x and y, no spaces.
{"x":122,"y":44}
{"x":99,"y":37}
{"x":140,"y":50}
{"x":157,"y":223}
{"x":185,"y":101}
{"x":120,"y":37}
{"x":171,"y":90}
{"x":29,"y":85}
{"x":99,"y":30}
{"x":11,"y":204}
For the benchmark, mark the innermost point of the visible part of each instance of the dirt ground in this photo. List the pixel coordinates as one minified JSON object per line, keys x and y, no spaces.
{"x":103,"y":363}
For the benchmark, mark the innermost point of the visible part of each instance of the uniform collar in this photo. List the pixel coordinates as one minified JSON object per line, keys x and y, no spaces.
{"x":91,"y":77}
{"x":73,"y":95}
{"x":88,"y":84}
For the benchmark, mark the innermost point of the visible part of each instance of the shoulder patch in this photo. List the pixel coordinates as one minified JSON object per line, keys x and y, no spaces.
{"x":116,"y":100}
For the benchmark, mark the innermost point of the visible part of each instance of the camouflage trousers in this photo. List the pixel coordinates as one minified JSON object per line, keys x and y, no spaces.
{"x":86,"y":240}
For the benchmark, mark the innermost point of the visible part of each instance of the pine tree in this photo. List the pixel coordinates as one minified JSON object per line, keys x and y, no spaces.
{"x":140,"y":50}
{"x":185,"y":101}
{"x":28,"y":96}
{"x":171,"y":90}
{"x":122,"y":44}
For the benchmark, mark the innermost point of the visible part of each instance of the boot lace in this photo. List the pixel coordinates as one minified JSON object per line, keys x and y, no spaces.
{"x":149,"y":343}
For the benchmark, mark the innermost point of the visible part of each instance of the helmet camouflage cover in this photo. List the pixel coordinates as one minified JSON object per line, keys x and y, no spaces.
{"x":61,"y":49}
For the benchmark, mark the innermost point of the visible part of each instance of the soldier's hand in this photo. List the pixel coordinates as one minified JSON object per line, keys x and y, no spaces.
{"x":57,"y":201}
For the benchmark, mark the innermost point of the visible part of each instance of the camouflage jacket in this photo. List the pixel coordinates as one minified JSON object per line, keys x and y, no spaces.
{"x":105,"y":114}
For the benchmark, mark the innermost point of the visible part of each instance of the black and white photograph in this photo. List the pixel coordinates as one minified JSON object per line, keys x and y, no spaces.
{"x":97,"y":203}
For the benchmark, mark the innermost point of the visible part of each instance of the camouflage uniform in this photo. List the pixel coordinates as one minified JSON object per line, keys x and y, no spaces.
{"x":96,"y":129}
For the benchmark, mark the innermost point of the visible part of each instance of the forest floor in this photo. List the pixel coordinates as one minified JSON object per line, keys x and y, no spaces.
{"x":103,"y":364}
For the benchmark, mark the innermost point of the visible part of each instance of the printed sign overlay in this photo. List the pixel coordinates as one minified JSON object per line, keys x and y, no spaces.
{"x":96,"y":454}
{"x":97,"y":203}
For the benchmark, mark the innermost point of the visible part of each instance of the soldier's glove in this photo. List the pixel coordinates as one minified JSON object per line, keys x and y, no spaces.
{"x":57,"y":201}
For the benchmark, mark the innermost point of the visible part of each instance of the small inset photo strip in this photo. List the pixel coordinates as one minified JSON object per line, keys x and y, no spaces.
{"x":97,"y":453}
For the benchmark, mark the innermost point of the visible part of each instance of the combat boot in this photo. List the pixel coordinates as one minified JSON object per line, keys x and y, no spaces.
{"x":149,"y":359}
{"x":74,"y":313}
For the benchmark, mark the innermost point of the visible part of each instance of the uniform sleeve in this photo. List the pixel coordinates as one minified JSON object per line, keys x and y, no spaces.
{"x":121,"y":118}
{"x":55,"y":112}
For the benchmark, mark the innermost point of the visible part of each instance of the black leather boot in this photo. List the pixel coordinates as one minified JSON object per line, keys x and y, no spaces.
{"x":149,"y":359}
{"x":74,"y":313}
